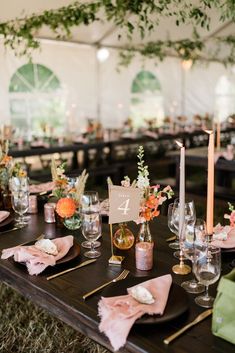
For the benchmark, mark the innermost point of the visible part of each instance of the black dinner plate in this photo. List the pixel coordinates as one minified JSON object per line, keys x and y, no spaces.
{"x":177,"y":302}
{"x":227,"y":250}
{"x":7,"y":221}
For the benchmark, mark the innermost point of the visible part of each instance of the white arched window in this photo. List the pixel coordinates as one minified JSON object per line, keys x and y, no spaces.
{"x":146,"y":99}
{"x":224,"y":98}
{"x":36,"y":99}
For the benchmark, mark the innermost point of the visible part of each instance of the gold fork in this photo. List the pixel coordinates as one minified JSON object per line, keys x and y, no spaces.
{"x":120,"y":277}
{"x":198,"y":319}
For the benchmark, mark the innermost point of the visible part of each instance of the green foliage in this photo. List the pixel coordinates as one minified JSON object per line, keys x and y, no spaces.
{"x":142,"y":16}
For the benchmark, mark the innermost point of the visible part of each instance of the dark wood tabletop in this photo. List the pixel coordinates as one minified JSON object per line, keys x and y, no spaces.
{"x":62,"y":296}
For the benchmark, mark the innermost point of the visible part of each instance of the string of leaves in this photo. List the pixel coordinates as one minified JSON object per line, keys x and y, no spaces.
{"x":142,"y":16}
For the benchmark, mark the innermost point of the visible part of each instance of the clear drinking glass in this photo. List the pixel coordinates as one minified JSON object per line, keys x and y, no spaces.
{"x":171,"y":225}
{"x":194,"y":247}
{"x":20,"y":204}
{"x":20,"y":184}
{"x":91,"y":221}
{"x":189,"y":216}
{"x":207,"y":271}
{"x":88,"y":198}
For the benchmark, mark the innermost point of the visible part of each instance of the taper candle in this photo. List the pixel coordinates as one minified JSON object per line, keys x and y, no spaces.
{"x":218,"y":135}
{"x":181,"y":188}
{"x":210,"y":183}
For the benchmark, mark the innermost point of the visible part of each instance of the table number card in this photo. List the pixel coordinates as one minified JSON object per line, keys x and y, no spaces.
{"x":124,"y":204}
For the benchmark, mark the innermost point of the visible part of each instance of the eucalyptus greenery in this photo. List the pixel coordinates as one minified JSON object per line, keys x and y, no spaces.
{"x":142,"y":16}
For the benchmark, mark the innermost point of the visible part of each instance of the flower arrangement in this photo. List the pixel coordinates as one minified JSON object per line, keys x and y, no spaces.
{"x":230,"y":216}
{"x":68,"y":195}
{"x":6,"y":165}
{"x":152,"y":196}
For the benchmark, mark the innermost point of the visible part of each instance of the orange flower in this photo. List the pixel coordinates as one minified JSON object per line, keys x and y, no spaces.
{"x":152,"y":202}
{"x":147,"y":214}
{"x":6,"y":159}
{"x":66,"y":207}
{"x":61,"y":183}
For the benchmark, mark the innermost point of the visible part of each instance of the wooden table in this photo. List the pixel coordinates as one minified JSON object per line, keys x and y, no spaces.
{"x":62,"y":297}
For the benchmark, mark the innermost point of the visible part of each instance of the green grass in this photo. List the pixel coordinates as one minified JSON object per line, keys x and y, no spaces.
{"x":26,"y":328}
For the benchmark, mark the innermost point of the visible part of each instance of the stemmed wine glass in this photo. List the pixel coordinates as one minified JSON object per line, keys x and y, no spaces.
{"x":194,"y":247}
{"x":90,"y":196}
{"x":207,"y":271}
{"x":20,"y":204}
{"x":20,"y":184}
{"x":189,"y":217}
{"x":171,"y":225}
{"x":91,"y":221}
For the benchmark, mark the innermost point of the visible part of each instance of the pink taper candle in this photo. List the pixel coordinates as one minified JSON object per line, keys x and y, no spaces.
{"x":181,"y":188}
{"x":210,"y":184}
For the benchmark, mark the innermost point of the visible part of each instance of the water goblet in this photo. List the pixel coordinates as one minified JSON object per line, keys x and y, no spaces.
{"x":171,"y":225}
{"x":194,"y":246}
{"x":91,"y":230}
{"x":90,"y":197}
{"x":207,"y":271}
{"x":20,"y":204}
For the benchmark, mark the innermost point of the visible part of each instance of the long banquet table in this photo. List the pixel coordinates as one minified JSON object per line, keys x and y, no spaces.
{"x":62,"y":297}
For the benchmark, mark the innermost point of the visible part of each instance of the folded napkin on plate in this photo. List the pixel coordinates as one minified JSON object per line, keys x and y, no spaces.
{"x":229,"y":239}
{"x":37,"y":260}
{"x":4,"y":215}
{"x":118,"y":314}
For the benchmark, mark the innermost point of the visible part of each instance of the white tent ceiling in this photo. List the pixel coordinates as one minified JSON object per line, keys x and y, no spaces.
{"x":106,"y":34}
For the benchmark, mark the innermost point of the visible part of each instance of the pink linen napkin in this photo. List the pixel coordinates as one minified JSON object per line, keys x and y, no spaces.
{"x":35,"y":259}
{"x":118,"y":314}
{"x":4,"y":215}
{"x":229,"y":243}
{"x":43,"y":187}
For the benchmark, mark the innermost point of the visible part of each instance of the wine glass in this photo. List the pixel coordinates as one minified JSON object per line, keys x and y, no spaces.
{"x":91,"y":221}
{"x":20,"y":204}
{"x":88,"y":198}
{"x":194,"y":247}
{"x":175,"y":245}
{"x":189,"y":216}
{"x":18,"y":184}
{"x":207,"y":271}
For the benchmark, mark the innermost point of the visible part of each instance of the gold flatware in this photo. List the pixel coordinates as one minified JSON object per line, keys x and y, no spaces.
{"x":88,"y":262}
{"x":120,"y":277}
{"x":11,"y":230}
{"x":171,"y":238}
{"x":198,"y":319}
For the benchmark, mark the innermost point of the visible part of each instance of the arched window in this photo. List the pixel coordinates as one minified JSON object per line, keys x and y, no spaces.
{"x":146,"y":99}
{"x":224,"y":98}
{"x":36,"y":99}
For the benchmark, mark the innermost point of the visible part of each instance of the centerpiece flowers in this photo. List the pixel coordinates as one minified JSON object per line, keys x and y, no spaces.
{"x":230,"y":216}
{"x":152,"y":198}
{"x":68,"y":194}
{"x":6,"y":168}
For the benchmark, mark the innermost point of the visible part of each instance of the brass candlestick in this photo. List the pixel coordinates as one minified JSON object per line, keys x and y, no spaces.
{"x":114,"y":259}
{"x":181,"y":268}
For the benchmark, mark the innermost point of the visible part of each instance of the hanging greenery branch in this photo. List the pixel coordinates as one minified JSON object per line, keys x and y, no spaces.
{"x":142,"y":16}
{"x":222,"y":50}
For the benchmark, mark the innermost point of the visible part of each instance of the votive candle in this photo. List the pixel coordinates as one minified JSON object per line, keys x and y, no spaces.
{"x":144,"y":255}
{"x":49,"y":212}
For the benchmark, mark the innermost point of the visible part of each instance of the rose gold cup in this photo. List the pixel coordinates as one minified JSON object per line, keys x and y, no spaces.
{"x":33,"y":204}
{"x":49,"y":212}
{"x":144,"y":256}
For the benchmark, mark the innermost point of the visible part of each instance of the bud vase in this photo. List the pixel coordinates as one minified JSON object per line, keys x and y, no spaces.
{"x":123,"y":238}
{"x":144,"y":248}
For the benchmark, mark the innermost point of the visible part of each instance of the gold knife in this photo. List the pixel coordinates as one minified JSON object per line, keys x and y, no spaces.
{"x":198,"y":319}
{"x":88,"y":262}
{"x":171,"y":238}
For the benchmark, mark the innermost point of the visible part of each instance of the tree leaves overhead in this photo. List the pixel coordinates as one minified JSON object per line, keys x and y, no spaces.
{"x":142,"y":16}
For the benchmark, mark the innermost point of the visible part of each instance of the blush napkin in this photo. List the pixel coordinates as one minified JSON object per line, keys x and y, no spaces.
{"x":229,"y":243}
{"x":118,"y":314}
{"x":35,"y":259}
{"x":4,"y":215}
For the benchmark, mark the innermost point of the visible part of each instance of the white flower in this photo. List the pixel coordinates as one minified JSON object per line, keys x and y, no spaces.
{"x":126,"y":182}
{"x":142,"y":182}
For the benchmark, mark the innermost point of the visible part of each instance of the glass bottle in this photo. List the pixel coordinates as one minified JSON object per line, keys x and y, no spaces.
{"x":144,"y":248}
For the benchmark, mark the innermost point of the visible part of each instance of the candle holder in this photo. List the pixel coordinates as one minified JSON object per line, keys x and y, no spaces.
{"x":114,"y":259}
{"x":181,"y":268}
